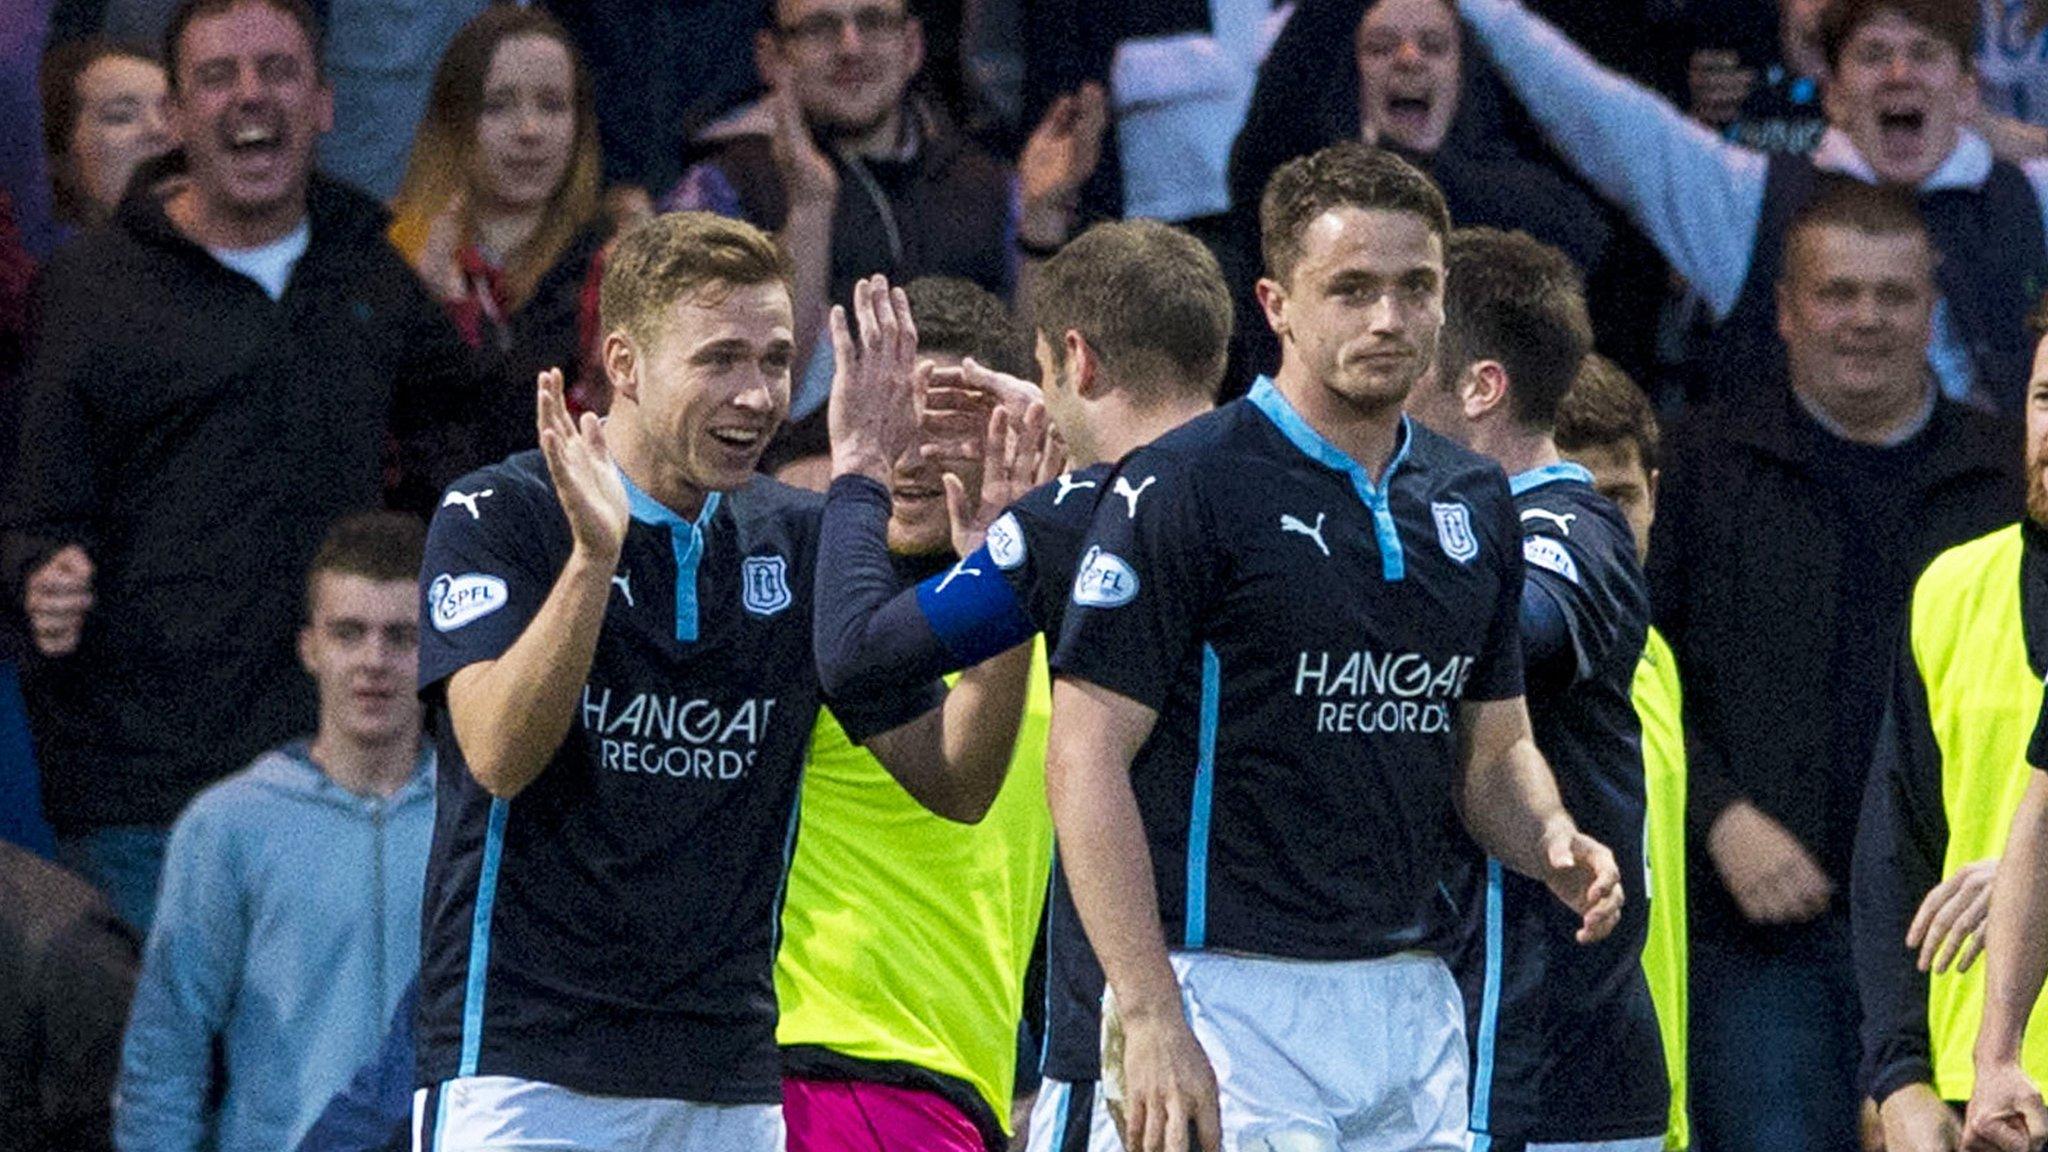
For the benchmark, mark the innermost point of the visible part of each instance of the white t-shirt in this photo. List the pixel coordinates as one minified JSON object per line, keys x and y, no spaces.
{"x":270,"y":265}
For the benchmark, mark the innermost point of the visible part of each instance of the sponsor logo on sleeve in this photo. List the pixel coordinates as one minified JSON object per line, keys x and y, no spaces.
{"x":1123,"y":488}
{"x":1069,"y":486}
{"x":1454,"y":531}
{"x":1562,"y":520}
{"x":1104,"y":581}
{"x":1006,"y":542}
{"x":764,"y":584}
{"x":453,"y":601}
{"x":1545,"y":553}
{"x":467,"y":500}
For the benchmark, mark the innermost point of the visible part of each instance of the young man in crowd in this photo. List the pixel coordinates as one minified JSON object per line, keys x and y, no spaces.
{"x":1133,"y":328}
{"x":1565,"y":1044}
{"x":1899,"y":92}
{"x":289,"y":920}
{"x":1606,"y":425}
{"x":618,"y":659}
{"x":859,"y":175}
{"x":1291,"y":656}
{"x":218,"y":376}
{"x":1789,"y":533}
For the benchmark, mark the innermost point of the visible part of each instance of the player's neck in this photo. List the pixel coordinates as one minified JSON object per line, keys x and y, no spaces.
{"x":1516,"y":450}
{"x":666,"y":485}
{"x":1129,"y":428}
{"x":1366,"y":433}
{"x":365,"y":769}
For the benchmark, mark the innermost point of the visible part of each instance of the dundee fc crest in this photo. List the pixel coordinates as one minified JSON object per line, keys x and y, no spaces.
{"x":764,"y":584}
{"x":1454,"y":531}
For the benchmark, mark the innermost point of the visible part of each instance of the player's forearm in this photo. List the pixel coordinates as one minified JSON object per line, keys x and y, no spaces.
{"x":2017,"y":945}
{"x":1511,"y":806}
{"x":982,"y":715}
{"x":511,"y":714}
{"x":807,"y":237}
{"x":1109,"y":870}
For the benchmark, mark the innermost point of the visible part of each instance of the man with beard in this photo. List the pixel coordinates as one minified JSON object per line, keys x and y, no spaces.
{"x":1291,"y":656}
{"x":859,"y":177}
{"x":618,"y":662}
{"x":1787,"y":539}
{"x":1899,"y":94}
{"x":217,"y":377}
{"x":1946,"y":780}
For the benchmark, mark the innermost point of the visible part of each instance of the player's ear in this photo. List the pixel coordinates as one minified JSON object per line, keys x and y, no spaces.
{"x":1483,"y":388}
{"x":1083,"y":368}
{"x":1273,"y":301}
{"x":621,"y":360}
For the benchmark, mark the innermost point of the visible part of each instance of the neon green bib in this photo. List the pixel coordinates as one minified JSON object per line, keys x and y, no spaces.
{"x":1983,"y":698}
{"x":905,"y":936}
{"x":1659,"y":705}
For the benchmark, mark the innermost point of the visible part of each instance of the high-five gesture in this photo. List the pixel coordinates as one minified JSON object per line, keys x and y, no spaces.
{"x":586,"y":480}
{"x":1018,"y":455}
{"x":876,"y":382}
{"x":1582,"y":873}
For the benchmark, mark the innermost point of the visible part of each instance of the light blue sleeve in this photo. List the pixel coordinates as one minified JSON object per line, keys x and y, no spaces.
{"x":1698,"y":197}
{"x":191,"y":968}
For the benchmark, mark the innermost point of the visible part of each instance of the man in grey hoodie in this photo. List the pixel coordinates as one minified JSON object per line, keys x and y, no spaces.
{"x":288,"y":922}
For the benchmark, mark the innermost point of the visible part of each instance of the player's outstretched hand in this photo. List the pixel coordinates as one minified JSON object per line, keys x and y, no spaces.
{"x":1949,"y":926}
{"x":1170,"y":1100}
{"x":1017,"y":455}
{"x":2006,"y":1113}
{"x":586,"y":480}
{"x":875,"y":404}
{"x":1583,"y":874}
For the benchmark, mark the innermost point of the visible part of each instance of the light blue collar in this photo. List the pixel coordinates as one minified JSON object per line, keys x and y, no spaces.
{"x":1267,"y":399}
{"x":1521,"y":482}
{"x":686,"y":540}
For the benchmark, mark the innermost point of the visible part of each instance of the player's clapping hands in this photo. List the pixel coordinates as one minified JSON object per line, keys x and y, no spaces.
{"x":586,"y":480}
{"x":1582,"y":873}
{"x":877,"y":382}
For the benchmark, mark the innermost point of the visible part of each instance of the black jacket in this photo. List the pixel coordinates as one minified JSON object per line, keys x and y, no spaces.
{"x":197,"y":439}
{"x":67,"y":971}
{"x":1746,"y":567}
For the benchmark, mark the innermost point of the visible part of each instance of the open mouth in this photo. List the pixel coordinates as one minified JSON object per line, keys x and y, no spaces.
{"x":912,"y":493}
{"x":255,"y":140}
{"x":738,"y":439}
{"x":1409,"y":111}
{"x":1899,"y":129}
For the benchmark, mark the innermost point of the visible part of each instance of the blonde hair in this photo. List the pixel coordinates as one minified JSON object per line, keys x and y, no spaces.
{"x":683,"y":256}
{"x":444,"y":149}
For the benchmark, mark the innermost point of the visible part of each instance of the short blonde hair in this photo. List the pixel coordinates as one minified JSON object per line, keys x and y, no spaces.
{"x":683,"y":256}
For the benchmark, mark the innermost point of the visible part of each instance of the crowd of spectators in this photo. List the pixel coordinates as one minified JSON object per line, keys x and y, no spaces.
{"x":270,"y":265}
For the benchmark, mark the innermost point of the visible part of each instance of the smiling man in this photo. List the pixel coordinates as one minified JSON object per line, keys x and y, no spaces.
{"x":1899,"y":93}
{"x":219,"y":373}
{"x":1788,"y":535}
{"x":618,"y":659}
{"x":291,"y":898}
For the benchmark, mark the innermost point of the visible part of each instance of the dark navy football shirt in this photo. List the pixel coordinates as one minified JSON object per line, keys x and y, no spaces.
{"x":1307,"y":638}
{"x":612,"y":929}
{"x":1565,"y":1039}
{"x":1014,"y":587}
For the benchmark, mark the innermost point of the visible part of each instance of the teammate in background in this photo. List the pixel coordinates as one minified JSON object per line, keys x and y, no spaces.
{"x":1946,"y":776}
{"x":617,"y":655}
{"x":1292,"y":653}
{"x":906,"y":937}
{"x":1606,"y":426}
{"x":1133,"y":328}
{"x":2005,"y":1111}
{"x":1565,"y":1042}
